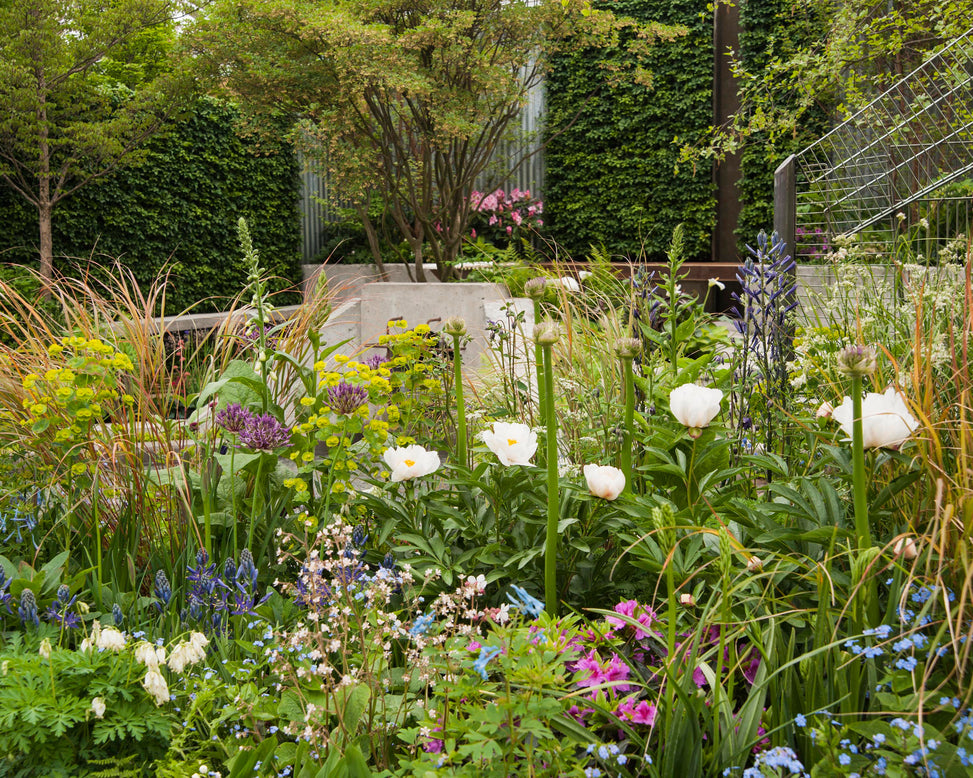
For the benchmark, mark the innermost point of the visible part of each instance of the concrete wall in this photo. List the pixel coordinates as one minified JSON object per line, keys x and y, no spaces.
{"x":365,"y":318}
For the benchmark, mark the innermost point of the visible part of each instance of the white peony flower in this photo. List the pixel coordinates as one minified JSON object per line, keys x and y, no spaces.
{"x":514,"y":444}
{"x":156,"y":685}
{"x":886,"y":421}
{"x":410,"y":462}
{"x":604,"y":481}
{"x":110,"y":639}
{"x":567,"y":283}
{"x":695,"y":406}
{"x":98,"y":707}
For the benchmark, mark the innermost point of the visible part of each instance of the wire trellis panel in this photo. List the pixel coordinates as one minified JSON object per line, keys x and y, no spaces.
{"x":877,"y":168}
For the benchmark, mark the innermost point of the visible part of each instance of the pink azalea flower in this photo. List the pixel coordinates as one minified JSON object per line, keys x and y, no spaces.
{"x":644,"y":616}
{"x":643,"y":713}
{"x":598,"y":674}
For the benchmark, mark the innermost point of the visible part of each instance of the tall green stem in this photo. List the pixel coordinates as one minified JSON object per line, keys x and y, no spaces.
{"x":233,"y":499}
{"x":671,"y":634}
{"x":550,"y":550}
{"x":629,"y":379}
{"x":96,"y":519}
{"x":539,"y":362}
{"x":461,"y":454}
{"x":862,"y":529}
{"x":207,"y":507}
{"x":259,"y":489}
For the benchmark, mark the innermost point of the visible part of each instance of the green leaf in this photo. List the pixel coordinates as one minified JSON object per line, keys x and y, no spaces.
{"x":352,"y":702}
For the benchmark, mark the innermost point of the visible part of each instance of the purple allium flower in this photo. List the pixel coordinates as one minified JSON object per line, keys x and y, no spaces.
{"x":376,"y":360}
{"x":346,"y":398}
{"x":264,"y":433}
{"x":234,"y":417}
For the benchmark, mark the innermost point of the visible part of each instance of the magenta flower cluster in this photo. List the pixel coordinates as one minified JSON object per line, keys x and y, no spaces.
{"x":506,"y":212}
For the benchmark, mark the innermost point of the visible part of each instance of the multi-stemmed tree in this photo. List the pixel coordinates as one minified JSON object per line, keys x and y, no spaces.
{"x":82,"y":87}
{"x":405,"y":100}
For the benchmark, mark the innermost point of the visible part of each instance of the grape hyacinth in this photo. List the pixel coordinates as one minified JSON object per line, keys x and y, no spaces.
{"x":27,"y":610}
{"x":345,"y":398}
{"x":264,"y":433}
{"x":163,"y":591}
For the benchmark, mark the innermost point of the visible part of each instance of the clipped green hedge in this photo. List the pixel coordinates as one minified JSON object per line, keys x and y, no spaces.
{"x":179,"y":209}
{"x":610,"y":177}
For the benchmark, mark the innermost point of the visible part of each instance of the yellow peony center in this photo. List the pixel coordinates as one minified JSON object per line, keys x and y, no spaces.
{"x":511,"y":441}
{"x":409,"y":462}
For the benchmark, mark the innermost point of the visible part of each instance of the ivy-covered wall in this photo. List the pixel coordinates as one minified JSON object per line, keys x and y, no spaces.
{"x":178,"y":209}
{"x":610,"y":178}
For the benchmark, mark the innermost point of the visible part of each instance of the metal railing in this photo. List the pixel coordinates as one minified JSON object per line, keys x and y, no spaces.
{"x":891,"y":174}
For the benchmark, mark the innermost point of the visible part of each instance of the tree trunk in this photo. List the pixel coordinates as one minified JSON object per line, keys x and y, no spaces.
{"x":372,"y":235}
{"x":417,"y":253}
{"x":44,"y":204}
{"x":47,"y":243}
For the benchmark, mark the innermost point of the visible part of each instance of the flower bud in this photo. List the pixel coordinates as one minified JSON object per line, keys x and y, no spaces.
{"x":45,"y":648}
{"x":535,"y":288}
{"x":627,"y":348}
{"x":754,"y":565}
{"x":455,"y":326}
{"x":906,"y":548}
{"x":687,"y":600}
{"x":825,"y":410}
{"x":546,"y":332}
{"x":857,"y":361}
